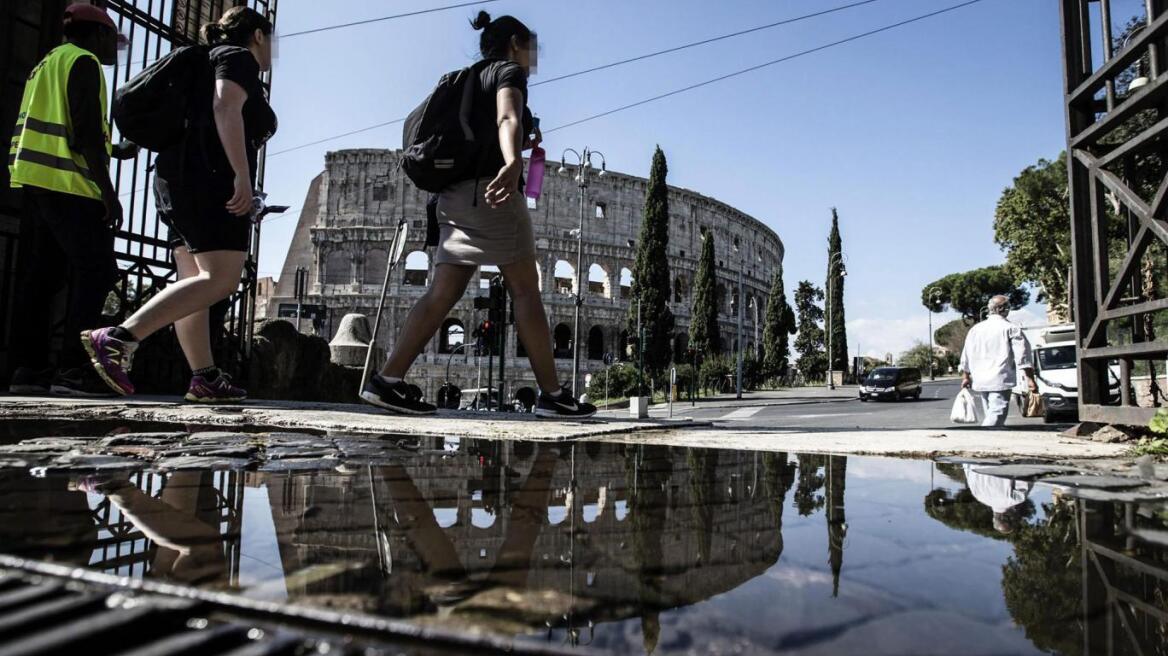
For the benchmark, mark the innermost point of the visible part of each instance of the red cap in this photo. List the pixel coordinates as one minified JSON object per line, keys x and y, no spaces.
{"x":89,"y":14}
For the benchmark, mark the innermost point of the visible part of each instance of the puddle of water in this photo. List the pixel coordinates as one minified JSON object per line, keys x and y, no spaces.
{"x":636,"y":549}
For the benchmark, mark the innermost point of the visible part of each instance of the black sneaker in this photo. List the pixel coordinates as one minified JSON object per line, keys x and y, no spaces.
{"x":26,"y":380}
{"x":563,"y":405}
{"x":80,"y":383}
{"x":398,"y":397}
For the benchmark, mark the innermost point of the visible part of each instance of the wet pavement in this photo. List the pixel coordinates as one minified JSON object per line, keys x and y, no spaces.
{"x":614,"y":547}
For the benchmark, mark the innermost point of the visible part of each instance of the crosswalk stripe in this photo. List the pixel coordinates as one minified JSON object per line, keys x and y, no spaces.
{"x":740,"y":414}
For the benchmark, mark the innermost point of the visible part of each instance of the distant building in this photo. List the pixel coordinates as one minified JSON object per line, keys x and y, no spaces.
{"x":347,"y":223}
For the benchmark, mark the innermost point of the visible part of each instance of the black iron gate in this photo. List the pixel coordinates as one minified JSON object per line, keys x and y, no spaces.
{"x":1117,"y":126}
{"x":30,"y":28}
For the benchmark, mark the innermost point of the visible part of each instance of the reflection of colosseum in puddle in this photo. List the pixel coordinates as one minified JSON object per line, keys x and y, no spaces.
{"x":351,"y":209}
{"x":459,"y":535}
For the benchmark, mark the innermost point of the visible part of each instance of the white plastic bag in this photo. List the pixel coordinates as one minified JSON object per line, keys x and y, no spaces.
{"x":964,"y":408}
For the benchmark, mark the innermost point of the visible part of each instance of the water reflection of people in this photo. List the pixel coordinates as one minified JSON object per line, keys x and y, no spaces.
{"x":1002,"y":495}
{"x":182,"y":524}
{"x":438,"y":553}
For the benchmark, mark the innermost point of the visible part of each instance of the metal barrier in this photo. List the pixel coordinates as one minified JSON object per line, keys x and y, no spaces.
{"x":1116,"y":104}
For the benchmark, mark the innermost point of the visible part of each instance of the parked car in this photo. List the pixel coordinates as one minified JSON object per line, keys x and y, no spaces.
{"x":894,"y":383}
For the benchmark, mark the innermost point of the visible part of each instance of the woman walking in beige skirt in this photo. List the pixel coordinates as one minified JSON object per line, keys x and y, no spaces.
{"x":483,"y":220}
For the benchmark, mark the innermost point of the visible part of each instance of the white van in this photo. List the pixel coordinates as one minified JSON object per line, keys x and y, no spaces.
{"x":1056,"y":366}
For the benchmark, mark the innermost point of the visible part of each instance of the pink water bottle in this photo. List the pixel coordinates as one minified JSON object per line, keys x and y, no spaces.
{"x":535,"y":168}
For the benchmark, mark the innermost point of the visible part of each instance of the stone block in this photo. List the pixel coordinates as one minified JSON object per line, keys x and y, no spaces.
{"x":639,"y":407}
{"x":351,"y":343}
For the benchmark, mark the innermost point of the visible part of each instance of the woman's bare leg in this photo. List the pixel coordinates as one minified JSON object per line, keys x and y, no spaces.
{"x":531,"y":321}
{"x":427,"y":316}
{"x":217,"y":278}
{"x":193,"y":330}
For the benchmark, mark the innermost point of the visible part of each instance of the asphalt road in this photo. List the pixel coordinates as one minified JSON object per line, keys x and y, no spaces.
{"x":930,"y":412}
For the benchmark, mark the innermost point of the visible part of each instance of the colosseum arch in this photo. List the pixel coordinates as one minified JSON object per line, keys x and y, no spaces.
{"x":626,"y":282}
{"x":452,"y":335}
{"x":595,"y":343}
{"x":562,"y":341}
{"x":680,"y":289}
{"x":565,"y":278}
{"x":338,"y":268}
{"x":417,"y":269}
{"x":375,"y":260}
{"x":598,"y":281}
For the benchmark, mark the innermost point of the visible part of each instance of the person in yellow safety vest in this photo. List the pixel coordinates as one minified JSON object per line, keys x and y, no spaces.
{"x":60,"y":156}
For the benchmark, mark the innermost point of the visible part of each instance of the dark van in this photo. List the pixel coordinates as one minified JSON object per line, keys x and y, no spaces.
{"x":894,"y":383}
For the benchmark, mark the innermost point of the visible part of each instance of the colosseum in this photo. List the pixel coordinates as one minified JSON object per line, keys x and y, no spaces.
{"x":347,"y":224}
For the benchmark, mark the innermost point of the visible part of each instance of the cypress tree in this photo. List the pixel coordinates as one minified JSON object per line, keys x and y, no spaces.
{"x":779,"y":325}
{"x":703,"y":327}
{"x":650,"y":289}
{"x":835,"y":303}
{"x":809,"y":343}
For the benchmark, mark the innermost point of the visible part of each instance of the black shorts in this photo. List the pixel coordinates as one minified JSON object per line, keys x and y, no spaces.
{"x":195,"y":213}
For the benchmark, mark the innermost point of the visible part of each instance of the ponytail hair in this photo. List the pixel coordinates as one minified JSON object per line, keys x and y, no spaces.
{"x":495,"y":41}
{"x":236,"y":27}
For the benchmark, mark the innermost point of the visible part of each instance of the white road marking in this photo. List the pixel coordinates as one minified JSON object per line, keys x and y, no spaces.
{"x":839,"y":414}
{"x":740,"y":414}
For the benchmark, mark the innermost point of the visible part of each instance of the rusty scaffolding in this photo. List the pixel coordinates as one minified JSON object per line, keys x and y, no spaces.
{"x":1117,"y":122}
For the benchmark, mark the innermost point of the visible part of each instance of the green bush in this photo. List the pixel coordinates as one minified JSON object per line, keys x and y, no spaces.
{"x":713,"y":372}
{"x":684,"y":376}
{"x":622,"y":382}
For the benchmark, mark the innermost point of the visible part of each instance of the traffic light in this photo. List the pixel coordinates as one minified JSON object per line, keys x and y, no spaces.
{"x":498,"y":302}
{"x":486,"y":331}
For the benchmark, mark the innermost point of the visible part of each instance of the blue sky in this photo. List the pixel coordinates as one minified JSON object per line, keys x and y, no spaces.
{"x":912,"y":134}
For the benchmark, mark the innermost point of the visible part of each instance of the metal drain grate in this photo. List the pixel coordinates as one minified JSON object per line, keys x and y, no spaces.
{"x":48,"y":609}
{"x":42,"y":617}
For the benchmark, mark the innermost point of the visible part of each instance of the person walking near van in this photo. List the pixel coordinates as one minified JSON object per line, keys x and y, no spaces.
{"x":995,"y":351}
{"x":483,"y":220}
{"x":206,"y":185}
{"x":60,"y":158}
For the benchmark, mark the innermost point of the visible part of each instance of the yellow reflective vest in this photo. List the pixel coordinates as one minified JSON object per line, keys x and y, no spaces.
{"x":40,"y":155}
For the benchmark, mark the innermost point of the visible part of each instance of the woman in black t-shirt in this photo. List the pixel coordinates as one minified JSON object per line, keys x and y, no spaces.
{"x":483,"y":220}
{"x":204,"y":189}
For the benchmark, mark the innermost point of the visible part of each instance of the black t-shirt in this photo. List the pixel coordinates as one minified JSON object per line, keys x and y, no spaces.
{"x":238,"y":65}
{"x":205,"y":159}
{"x":494,"y":75}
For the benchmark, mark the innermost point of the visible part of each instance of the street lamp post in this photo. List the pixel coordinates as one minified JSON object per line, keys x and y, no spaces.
{"x":836,"y":260}
{"x":933,"y":294}
{"x":741,"y":299}
{"x":585,"y":166}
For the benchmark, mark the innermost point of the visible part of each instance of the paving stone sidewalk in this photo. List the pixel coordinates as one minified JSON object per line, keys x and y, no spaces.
{"x":295,"y":415}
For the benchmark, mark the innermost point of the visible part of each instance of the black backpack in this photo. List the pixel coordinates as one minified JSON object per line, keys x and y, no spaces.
{"x":155,"y":108}
{"x":438,"y":138}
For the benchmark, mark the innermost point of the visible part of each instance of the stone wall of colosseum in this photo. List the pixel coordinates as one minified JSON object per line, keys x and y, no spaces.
{"x":362,"y":194}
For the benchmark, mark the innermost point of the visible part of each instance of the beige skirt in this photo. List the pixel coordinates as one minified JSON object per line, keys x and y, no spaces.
{"x":474,"y":233}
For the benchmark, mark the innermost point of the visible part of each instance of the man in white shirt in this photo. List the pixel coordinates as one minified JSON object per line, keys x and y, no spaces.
{"x":995,"y":350}
{"x":1002,"y":495}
